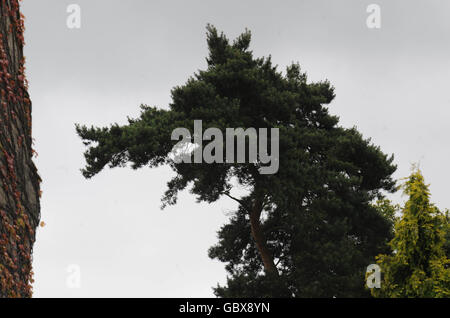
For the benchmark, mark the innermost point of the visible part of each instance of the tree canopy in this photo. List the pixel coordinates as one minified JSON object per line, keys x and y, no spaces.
{"x":418,"y":266}
{"x":308,"y":230}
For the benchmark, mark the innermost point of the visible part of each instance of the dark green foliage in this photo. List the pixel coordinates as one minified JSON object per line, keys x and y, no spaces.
{"x":317,"y":220}
{"x":322,"y":249}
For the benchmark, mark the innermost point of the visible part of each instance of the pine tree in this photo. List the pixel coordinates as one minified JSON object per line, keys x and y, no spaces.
{"x":418,"y":266}
{"x":309,"y":229}
{"x":19,"y":181}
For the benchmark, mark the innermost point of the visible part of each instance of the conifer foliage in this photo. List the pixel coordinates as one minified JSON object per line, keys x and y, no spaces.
{"x":309,"y":229}
{"x":418,"y":266}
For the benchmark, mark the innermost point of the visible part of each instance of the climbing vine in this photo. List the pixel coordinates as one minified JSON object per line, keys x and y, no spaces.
{"x":19,"y":191}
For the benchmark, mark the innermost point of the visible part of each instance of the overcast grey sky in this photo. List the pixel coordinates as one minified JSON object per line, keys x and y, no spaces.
{"x":392,"y":83}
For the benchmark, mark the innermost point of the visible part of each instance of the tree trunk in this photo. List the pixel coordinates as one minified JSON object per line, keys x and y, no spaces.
{"x":260,"y":240}
{"x":19,"y":181}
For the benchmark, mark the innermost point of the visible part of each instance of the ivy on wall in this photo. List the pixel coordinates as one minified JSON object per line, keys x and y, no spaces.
{"x":19,"y":181}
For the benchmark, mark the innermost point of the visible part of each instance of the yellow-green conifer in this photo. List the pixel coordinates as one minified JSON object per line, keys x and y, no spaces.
{"x":418,"y":266}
